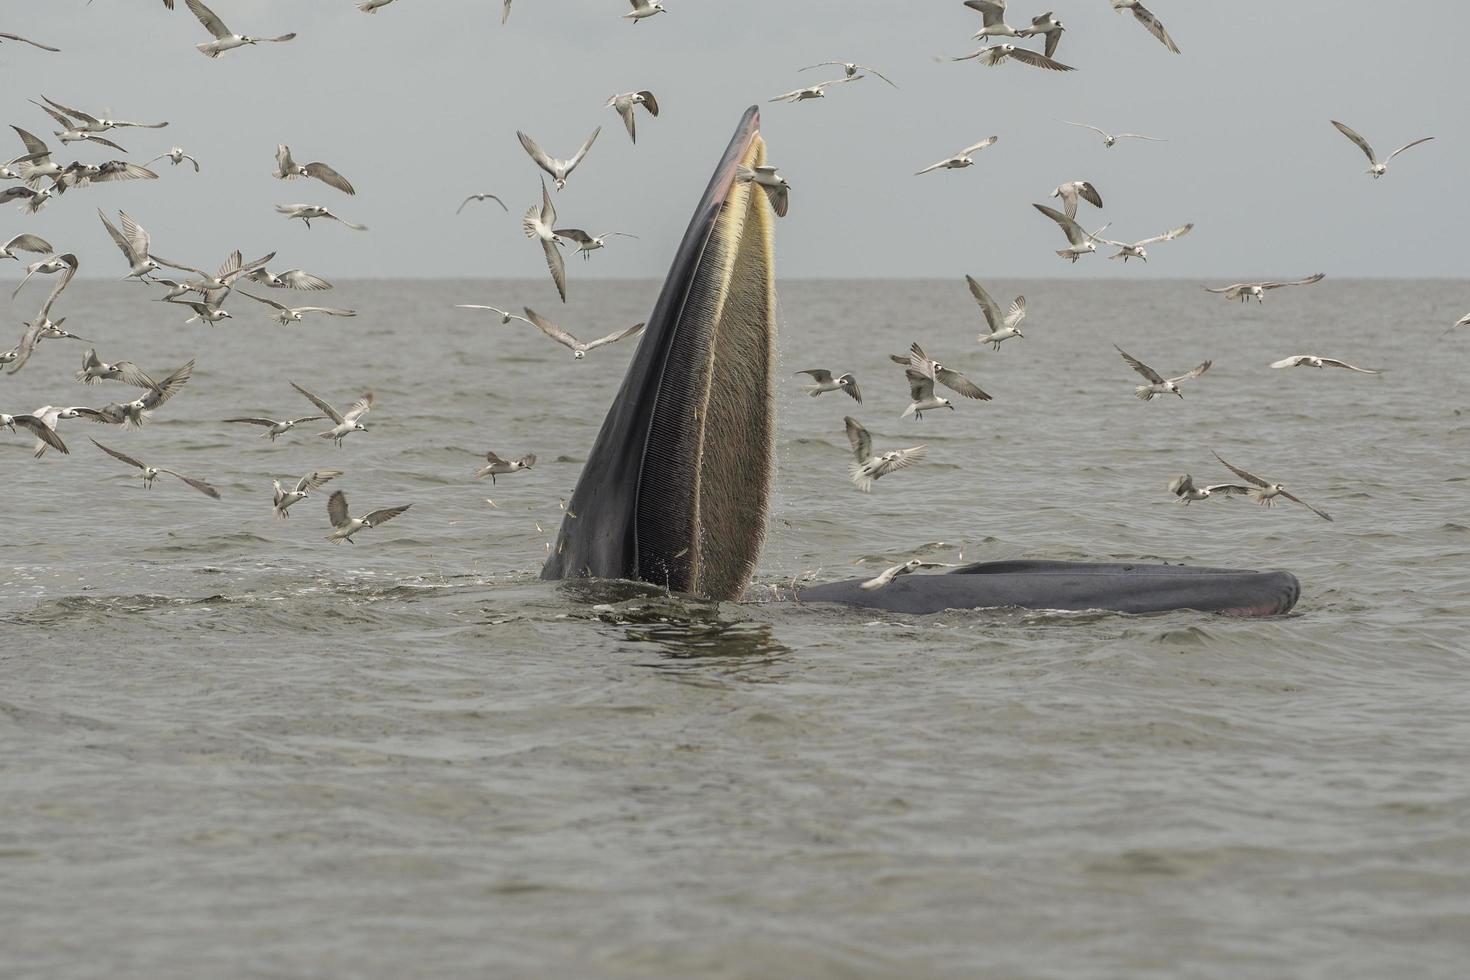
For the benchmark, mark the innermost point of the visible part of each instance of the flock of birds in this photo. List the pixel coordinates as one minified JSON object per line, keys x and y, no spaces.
{"x":37,"y":177}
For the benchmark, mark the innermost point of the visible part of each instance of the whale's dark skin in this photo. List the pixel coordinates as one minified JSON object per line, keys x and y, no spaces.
{"x":676,"y":488}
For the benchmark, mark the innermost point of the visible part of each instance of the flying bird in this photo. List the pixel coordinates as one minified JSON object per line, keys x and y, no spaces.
{"x":1266,"y":493}
{"x":306,"y":212}
{"x":1157,"y":384}
{"x":1047,"y":25}
{"x":1188,"y":491}
{"x":931,"y":369}
{"x":1245,"y":290}
{"x":347,"y":422}
{"x":822,"y":382}
{"x":560,"y":170}
{"x":495,"y":466}
{"x":134,"y":242}
{"x":94,"y":369}
{"x":539,"y":223}
{"x":86,"y":122}
{"x":817,"y":91}
{"x":45,"y":267}
{"x":150,"y":473}
{"x":204,"y":312}
{"x":41,"y":327}
{"x":286,"y":315}
{"x":224,"y":38}
{"x":1148,"y":20}
{"x":25,"y":242}
{"x":1074,"y":190}
{"x":997,"y":54}
{"x":579,"y":350}
{"x":625,"y":103}
{"x":1317,"y":361}
{"x":1110,"y":140}
{"x":850,"y":68}
{"x":290,"y":279}
{"x":482,"y":197}
{"x":921,"y":396}
{"x":36,"y":425}
{"x":1375,"y":168}
{"x":961,"y":159}
{"x":272,"y":427}
{"x":505,"y":317}
{"x":282,"y":499}
{"x":1080,"y":242}
{"x":371,"y":7}
{"x":1003,"y":326}
{"x":176,"y":155}
{"x":993,"y":19}
{"x":778,"y":191}
{"x":137,"y":412}
{"x":346,"y":525}
{"x":587,"y":244}
{"x":289,"y":169}
{"x":1137,"y":250}
{"x":643,"y":9}
{"x":870,"y":466}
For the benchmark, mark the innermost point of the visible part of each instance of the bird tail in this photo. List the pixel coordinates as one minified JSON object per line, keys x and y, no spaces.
{"x":813,"y":390}
{"x":204,"y":49}
{"x":1144,"y":392}
{"x":528,"y":223}
{"x":907,"y":412}
{"x":861,"y":478}
{"x":1260,"y":498}
{"x":1066,"y":254}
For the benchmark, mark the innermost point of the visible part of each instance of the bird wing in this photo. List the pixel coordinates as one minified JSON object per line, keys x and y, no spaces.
{"x":61,"y":120}
{"x":1229,"y":489}
{"x":337,"y":217}
{"x":1289,"y":362}
{"x":987,"y":305}
{"x":1295,"y":282}
{"x":1193,"y":373}
{"x":199,"y":485}
{"x":34,"y":147}
{"x":874,"y":71}
{"x":539,"y":155}
{"x":993,"y":11}
{"x":250,"y":421}
{"x":316,"y":479}
{"x":1035,"y":58}
{"x":1334,"y":362}
{"x":385,"y":515}
{"x":858,"y":437}
{"x":1100,"y":132}
{"x":575,"y":234}
{"x":1352,"y":134}
{"x":1017,"y":312}
{"x":326,"y":409}
{"x":285,"y":166}
{"x":133,"y":375}
{"x":1320,"y":513}
{"x":1167,"y":236}
{"x":209,"y":19}
{"x":330,"y":177}
{"x":337,"y":509}
{"x":819,"y":375}
{"x":1053,"y":39}
{"x":296,"y":279}
{"x":327,"y":310}
{"x":358,"y":408}
{"x":505,"y":12}
{"x":117,"y":455}
{"x":169,"y":386}
{"x":960,"y":383}
{"x":117,"y":236}
{"x":1181,"y":485}
{"x":1137,"y":365}
{"x":1155,"y":26}
{"x":558,"y":267}
{"x":76,"y":113}
{"x":899,"y":459}
{"x":572,"y":163}
{"x":921,"y":387}
{"x":1406,"y":146}
{"x":1226,"y":289}
{"x":987,"y":141}
{"x":932,"y":167}
{"x":1247,"y":477}
{"x":527,"y":461}
{"x":261,"y":299}
{"x":788,"y":96}
{"x":1069,"y":226}
{"x":551,"y":330}
{"x":548,"y":210}
{"x":26,"y":40}
{"x":625,"y":110}
{"x":613,"y":338}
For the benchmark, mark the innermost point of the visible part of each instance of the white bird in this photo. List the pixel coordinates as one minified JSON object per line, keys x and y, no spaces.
{"x":1047,"y":25}
{"x":1157,"y":384}
{"x":224,"y":38}
{"x":71,"y":132}
{"x":371,"y":7}
{"x":850,"y":68}
{"x":1317,"y":361}
{"x":579,"y":350}
{"x":34,"y":423}
{"x":1148,"y":20}
{"x":539,"y":223}
{"x":921,"y":396}
{"x":289,"y":169}
{"x":41,"y":327}
{"x":285,"y":315}
{"x":273,"y":427}
{"x":778,"y":191}
{"x":1188,"y":491}
{"x":495,"y":466}
{"x":216,"y":286}
{"x":348,"y":422}
{"x":346,"y":525}
{"x":45,"y":267}
{"x":643,"y":9}
{"x":587,"y":244}
{"x":887,"y":576}
{"x":1376,"y":168}
{"x":560,"y":170}
{"x":1136,"y":250}
{"x":1074,"y":190}
{"x":1081,"y":243}
{"x":25,"y":242}
{"x":482,"y":197}
{"x":204,"y":312}
{"x":290,"y":279}
{"x":870,"y":466}
{"x":1110,"y":139}
{"x":88,"y":123}
{"x":505,"y":317}
{"x":961,"y":159}
{"x":993,"y":19}
{"x":94,"y":369}
{"x":306,"y":212}
{"x":624,"y":105}
{"x":817,"y":91}
{"x":822,"y":382}
{"x":36,"y":163}
{"x":176,"y":155}
{"x":150,"y":473}
{"x":1245,"y":290}
{"x":282,"y":499}
{"x":997,"y":54}
{"x":134,"y":243}
{"x":1266,"y":493}
{"x":30,"y":201}
{"x":1003,"y":326}
{"x":934,"y":371}
{"x":136,"y":413}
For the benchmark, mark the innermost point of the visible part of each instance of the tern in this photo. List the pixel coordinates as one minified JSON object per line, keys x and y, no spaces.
{"x":993,"y":19}
{"x":1245,"y":290}
{"x":134,"y":243}
{"x":136,"y":413}
{"x":643,"y":9}
{"x":505,"y":316}
{"x":31,"y":201}
{"x":306,"y":212}
{"x":1157,"y":384}
{"x":921,"y":396}
{"x":215,"y":287}
{"x":25,"y":242}
{"x":1266,"y":493}
{"x":1188,"y":491}
{"x":203,"y":312}
{"x":289,"y":169}
{"x":869,"y":466}
{"x":817,"y":91}
{"x":579,"y":350}
{"x":539,"y":223}
{"x":346,"y":525}
{"x":45,"y":267}
{"x":286,"y":315}
{"x":961,"y":159}
{"x":1148,"y":20}
{"x":371,"y":7}
{"x":1317,"y":361}
{"x":176,"y":156}
{"x":1074,"y":190}
{"x":778,"y":191}
{"x":931,"y":369}
{"x":1003,"y":326}
{"x":850,"y":69}
{"x":495,"y":466}
{"x":887,"y":576}
{"x":482,"y":197}
{"x":41,"y":326}
{"x":290,"y":279}
{"x":272,"y":427}
{"x":347,"y":422}
{"x":94,"y":369}
{"x":224,"y":38}
{"x":625,"y":103}
{"x":1136,"y":250}
{"x":25,"y":40}
{"x":1375,"y":168}
{"x":150,"y":473}
{"x":587,"y":244}
{"x":1110,"y":140}
{"x":1081,"y":243}
{"x":71,"y":132}
{"x":36,"y":425}
{"x":36,"y":163}
{"x":822,"y":382}
{"x":44,"y":427}
{"x":89,"y":123}
{"x":282,"y":499}
{"x":560,"y":170}
{"x":997,"y":54}
{"x":1045,"y":24}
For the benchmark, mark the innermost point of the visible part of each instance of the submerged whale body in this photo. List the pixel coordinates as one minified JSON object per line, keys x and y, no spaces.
{"x":677,"y":487}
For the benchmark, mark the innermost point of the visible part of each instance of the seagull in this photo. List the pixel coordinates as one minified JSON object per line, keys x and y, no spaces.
{"x":505,"y":317}
{"x":1072,"y":190}
{"x":922,"y":397}
{"x":134,"y":242}
{"x":177,"y":156}
{"x":822,"y":381}
{"x":45,"y":434}
{"x":1136,"y":250}
{"x":26,"y":40}
{"x":642,"y":9}
{"x":1317,"y":361}
{"x":1081,"y":242}
{"x":308,"y":211}
{"x":624,"y":104}
{"x":150,"y":473}
{"x":204,"y":312}
{"x":1245,"y":290}
{"x":137,"y":412}
{"x":290,"y":279}
{"x":560,"y":170}
{"x":94,"y":369}
{"x":887,"y":576}
{"x":1185,"y":489}
{"x":289,"y":169}
{"x":1002,"y":326}
{"x":996,"y":54}
{"x":44,"y":267}
{"x":282,"y":499}
{"x":587,"y":244}
{"x":495,"y":466}
{"x":870,"y":467}
{"x":41,"y":327}
{"x":1048,"y":25}
{"x":961,"y":159}
{"x":817,"y":91}
{"x":214,"y":288}
{"x":538,"y":223}
{"x":224,"y":39}
{"x":1158,"y":385}
{"x":274,"y":428}
{"x":286,"y":315}
{"x":993,"y":14}
{"x":97,"y":124}
{"x":1110,"y":140}
{"x":579,"y":350}
{"x":1376,"y":169}
{"x":27,"y":243}
{"x":347,"y":422}
{"x":483,"y":197}
{"x":778,"y":191}
{"x":346,"y":525}
{"x":1267,"y":492}
{"x":850,"y":68}
{"x":1148,"y":20}
{"x":932,"y":370}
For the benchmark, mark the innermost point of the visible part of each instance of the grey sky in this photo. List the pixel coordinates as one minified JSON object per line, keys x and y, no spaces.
{"x":1251,"y":157}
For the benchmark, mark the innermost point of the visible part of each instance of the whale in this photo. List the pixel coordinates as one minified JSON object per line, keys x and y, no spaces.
{"x":676,"y":490}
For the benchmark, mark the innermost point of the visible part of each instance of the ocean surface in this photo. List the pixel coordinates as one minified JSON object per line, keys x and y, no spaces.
{"x":229,"y":748}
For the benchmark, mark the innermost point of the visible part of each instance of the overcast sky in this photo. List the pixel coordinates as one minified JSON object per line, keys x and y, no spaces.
{"x":418,"y":105}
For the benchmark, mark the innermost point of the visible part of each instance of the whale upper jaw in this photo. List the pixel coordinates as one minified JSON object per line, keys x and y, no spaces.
{"x":676,"y":489}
